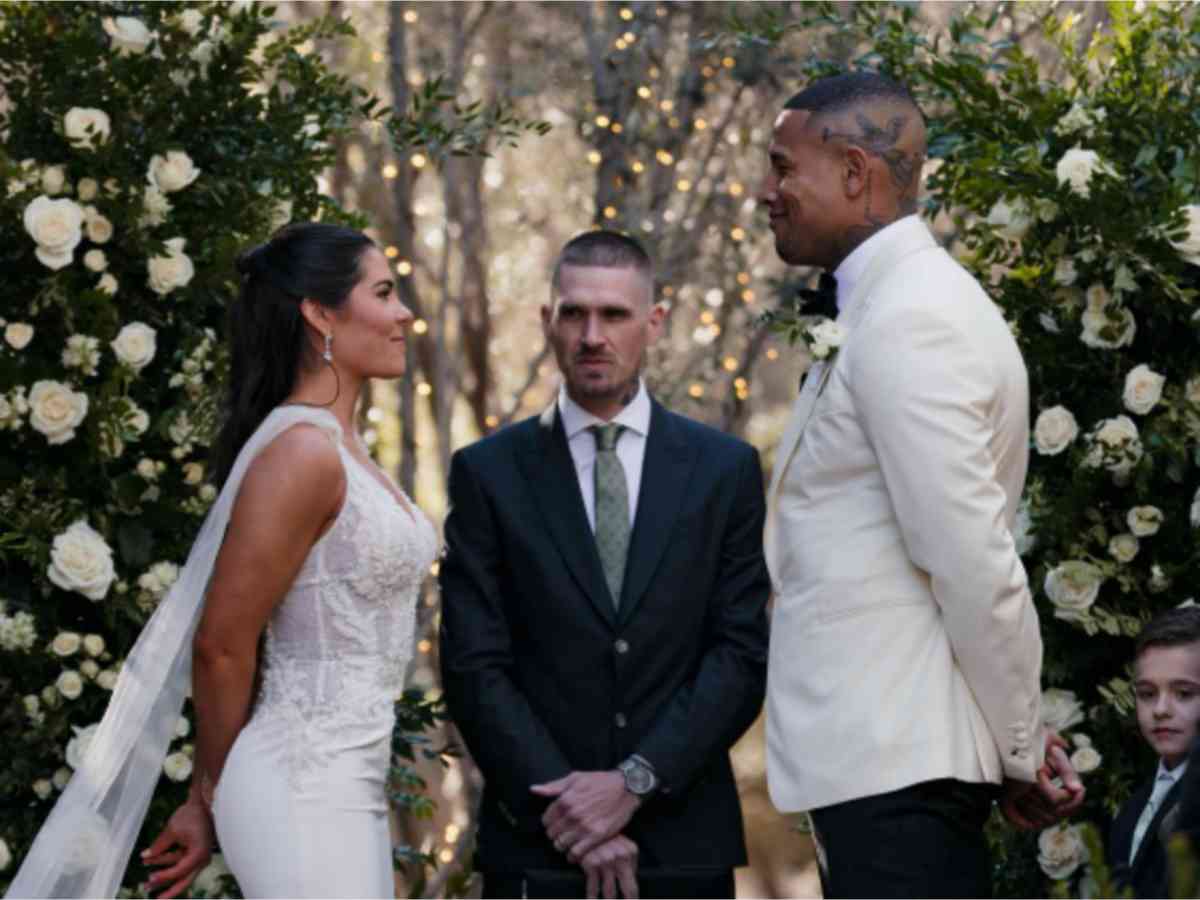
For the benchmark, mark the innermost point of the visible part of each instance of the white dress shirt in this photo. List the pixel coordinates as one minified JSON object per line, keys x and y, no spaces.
{"x":1163,"y":782}
{"x":631,"y":446}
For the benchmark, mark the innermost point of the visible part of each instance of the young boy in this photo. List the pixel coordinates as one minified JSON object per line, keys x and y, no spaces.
{"x":1167,"y":690}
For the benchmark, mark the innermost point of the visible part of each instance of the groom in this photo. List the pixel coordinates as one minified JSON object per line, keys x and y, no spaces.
{"x":603,"y":614}
{"x":904,"y":677}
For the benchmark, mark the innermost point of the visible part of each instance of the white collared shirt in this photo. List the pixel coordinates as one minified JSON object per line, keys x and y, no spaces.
{"x":854,"y":265}
{"x":631,"y":446}
{"x":1164,"y":780}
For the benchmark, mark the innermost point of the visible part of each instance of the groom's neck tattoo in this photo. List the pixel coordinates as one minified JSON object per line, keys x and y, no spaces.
{"x":881,"y":141}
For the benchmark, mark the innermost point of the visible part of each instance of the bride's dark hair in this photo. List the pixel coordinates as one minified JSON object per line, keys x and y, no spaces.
{"x":267,"y":337}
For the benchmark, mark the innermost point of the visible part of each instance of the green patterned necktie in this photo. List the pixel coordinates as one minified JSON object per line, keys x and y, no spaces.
{"x":612,"y":507}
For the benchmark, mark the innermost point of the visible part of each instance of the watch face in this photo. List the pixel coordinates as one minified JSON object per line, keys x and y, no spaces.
{"x":638,"y":779}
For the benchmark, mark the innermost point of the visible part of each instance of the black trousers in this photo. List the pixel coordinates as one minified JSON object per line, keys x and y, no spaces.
{"x":925,"y":840}
{"x":653,"y":884}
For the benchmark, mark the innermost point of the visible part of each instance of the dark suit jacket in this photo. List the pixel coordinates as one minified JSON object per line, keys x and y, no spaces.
{"x":543,"y":676}
{"x":1148,"y":873}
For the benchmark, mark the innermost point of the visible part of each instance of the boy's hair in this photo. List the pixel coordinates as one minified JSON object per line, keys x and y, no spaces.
{"x":1172,"y":628}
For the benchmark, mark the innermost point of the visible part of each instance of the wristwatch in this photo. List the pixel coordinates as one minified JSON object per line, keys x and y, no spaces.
{"x":639,"y":776}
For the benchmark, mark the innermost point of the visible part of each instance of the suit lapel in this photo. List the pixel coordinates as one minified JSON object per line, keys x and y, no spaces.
{"x":550,"y":471}
{"x":1143,"y":853}
{"x":666,"y":469}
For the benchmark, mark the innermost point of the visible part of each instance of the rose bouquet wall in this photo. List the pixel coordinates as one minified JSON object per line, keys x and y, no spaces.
{"x":141,"y":146}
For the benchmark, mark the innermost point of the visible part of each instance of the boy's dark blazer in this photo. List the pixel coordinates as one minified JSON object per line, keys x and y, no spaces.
{"x":1148,"y":873}
{"x":544,"y":676}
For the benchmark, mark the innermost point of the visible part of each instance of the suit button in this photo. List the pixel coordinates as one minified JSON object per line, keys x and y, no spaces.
{"x":621,"y":646}
{"x":621,"y":720}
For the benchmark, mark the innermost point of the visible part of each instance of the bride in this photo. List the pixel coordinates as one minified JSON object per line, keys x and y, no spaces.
{"x":312,"y":560}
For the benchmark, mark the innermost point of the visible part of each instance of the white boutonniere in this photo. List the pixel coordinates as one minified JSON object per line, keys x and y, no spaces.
{"x":823,"y":338}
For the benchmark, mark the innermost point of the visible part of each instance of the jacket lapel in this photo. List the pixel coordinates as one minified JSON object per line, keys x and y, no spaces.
{"x":550,"y":471}
{"x":1143,"y":853}
{"x":666,"y":468}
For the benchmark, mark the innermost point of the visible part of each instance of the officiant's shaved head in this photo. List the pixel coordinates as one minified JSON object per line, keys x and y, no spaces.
{"x":846,"y":159}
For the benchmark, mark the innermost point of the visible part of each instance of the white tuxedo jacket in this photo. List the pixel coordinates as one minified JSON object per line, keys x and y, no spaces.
{"x":904,"y":641}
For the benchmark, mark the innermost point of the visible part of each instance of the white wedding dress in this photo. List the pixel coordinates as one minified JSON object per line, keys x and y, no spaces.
{"x":301,"y":805}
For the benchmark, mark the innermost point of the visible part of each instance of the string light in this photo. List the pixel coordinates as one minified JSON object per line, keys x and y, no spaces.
{"x":644,"y":92}
{"x":701,"y":124}
{"x":617,"y":128}
{"x":593,"y":157}
{"x":741,"y":384}
{"x":666,"y":105}
{"x":696,"y":391}
{"x":424,"y":646}
{"x":630,"y":37}
{"x":420,"y":326}
{"x":664,"y":157}
{"x":446,"y":856}
{"x":708,"y":71}
{"x":638,"y":167}
{"x":418,"y":161}
{"x":729,"y":62}
{"x":747,"y":296}
{"x":743,"y":278}
{"x":736,"y":189}
{"x":491,"y":421}
{"x":730,"y":364}
{"x":391,"y":252}
{"x":626,"y":14}
{"x":424,"y":389}
{"x":376,"y":56}
{"x":668,"y":290}
{"x":653,"y":72}
{"x":603,"y":121}
{"x":404,"y":267}
{"x":619,"y":43}
{"x":772,"y":354}
{"x":737,"y":233}
{"x":684,"y":185}
{"x":610,"y":212}
{"x":411,"y":16}
{"x":673,"y":122}
{"x":390,"y":171}
{"x":707,"y":317}
{"x":452,"y":833}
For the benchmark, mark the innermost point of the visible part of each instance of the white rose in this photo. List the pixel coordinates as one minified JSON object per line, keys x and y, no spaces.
{"x":98,"y":228}
{"x":1061,"y":851}
{"x":56,"y":226}
{"x":77,"y":747}
{"x":85,"y":127}
{"x":175,"y":270}
{"x":183,"y":727}
{"x":137,"y":419}
{"x":66,"y":643}
{"x":107,"y":679}
{"x":190,"y":21}
{"x":82,"y":352}
{"x":178,"y":766}
{"x":208,"y":493}
{"x":193,"y":473}
{"x":1081,"y":740}
{"x":1060,"y":709}
{"x":1073,"y":587}
{"x":5,"y":855}
{"x":81,"y":561}
{"x":1123,"y":547}
{"x":43,"y":788}
{"x":172,"y":172}
{"x":1054,"y":430}
{"x":165,"y":573}
{"x":1077,"y":168}
{"x":1159,"y":581}
{"x":129,"y":35}
{"x":1108,"y":329}
{"x":95,"y":260}
{"x":1010,"y":220}
{"x":60,"y":778}
{"x":18,"y":335}
{"x":281,"y":214}
{"x":93,"y":644}
{"x":1143,"y":389}
{"x":54,"y":180}
{"x":1065,"y":273}
{"x":69,"y":684}
{"x":1097,"y":297}
{"x":135,"y":345}
{"x":87,"y":189}
{"x":56,"y":410}
{"x":107,"y":284}
{"x":1189,"y":246}
{"x":1144,"y":521}
{"x":208,"y":880}
{"x":1115,"y":445}
{"x":89,"y":668}
{"x":1194,"y":513}
{"x":1078,"y":118}
{"x":50,"y":695}
{"x":155,"y":207}
{"x":149,"y":583}
{"x":147,"y":469}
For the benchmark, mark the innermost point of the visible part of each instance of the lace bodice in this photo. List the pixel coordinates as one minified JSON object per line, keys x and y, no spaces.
{"x":338,"y":644}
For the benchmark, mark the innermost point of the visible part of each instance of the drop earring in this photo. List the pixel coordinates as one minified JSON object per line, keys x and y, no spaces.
{"x":328,"y":354}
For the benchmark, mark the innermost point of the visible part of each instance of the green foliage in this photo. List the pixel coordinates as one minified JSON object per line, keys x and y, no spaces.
{"x":1091,"y":282}
{"x":214,"y":124}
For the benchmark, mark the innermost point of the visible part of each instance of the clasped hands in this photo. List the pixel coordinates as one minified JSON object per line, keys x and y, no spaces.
{"x":1056,"y":794}
{"x":585,"y":821}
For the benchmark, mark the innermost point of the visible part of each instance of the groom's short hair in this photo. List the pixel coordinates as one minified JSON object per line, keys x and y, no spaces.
{"x":606,"y":250}
{"x":841,"y":92}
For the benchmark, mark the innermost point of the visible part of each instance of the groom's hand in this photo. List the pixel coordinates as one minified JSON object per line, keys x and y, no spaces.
{"x":612,"y":864}
{"x":185,"y":845}
{"x":590,"y":807}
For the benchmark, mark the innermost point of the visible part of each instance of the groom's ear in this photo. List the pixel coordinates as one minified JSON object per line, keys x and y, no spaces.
{"x":856,"y":171}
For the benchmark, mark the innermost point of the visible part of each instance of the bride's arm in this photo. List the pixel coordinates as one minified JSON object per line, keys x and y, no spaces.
{"x":290,"y":495}
{"x":292,"y":492}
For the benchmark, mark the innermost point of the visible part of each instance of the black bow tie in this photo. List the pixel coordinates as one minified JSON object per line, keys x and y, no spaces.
{"x":823,"y":300}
